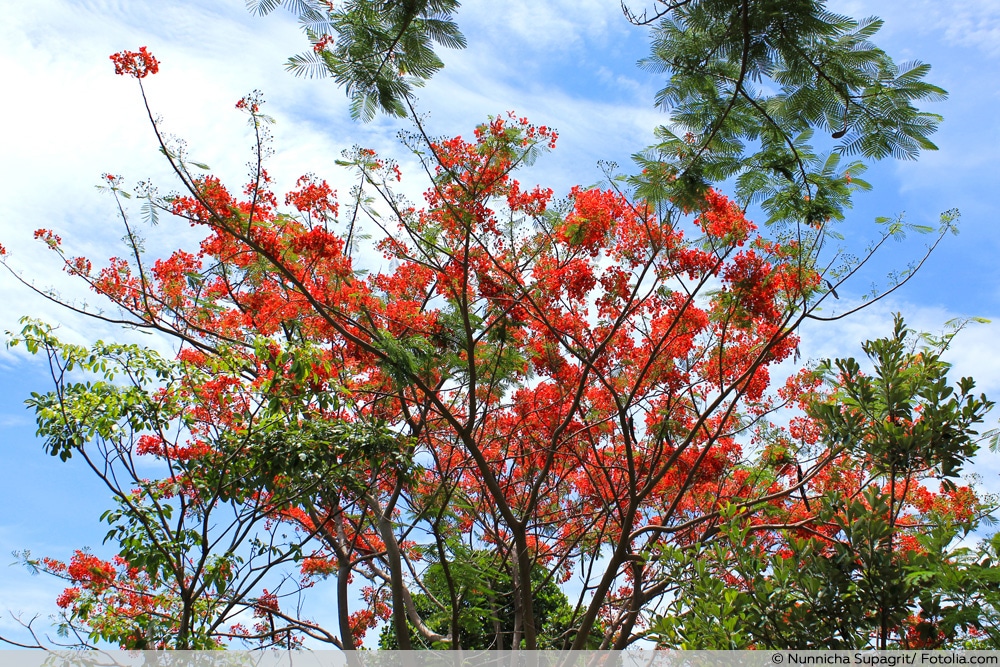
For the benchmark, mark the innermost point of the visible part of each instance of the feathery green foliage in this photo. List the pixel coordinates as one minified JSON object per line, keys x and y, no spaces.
{"x":751,"y":81}
{"x":378,"y":50}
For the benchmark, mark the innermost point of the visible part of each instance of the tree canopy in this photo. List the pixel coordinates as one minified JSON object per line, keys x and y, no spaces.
{"x":541,"y":422}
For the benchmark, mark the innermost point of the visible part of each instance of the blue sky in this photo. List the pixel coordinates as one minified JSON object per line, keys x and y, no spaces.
{"x":565,"y":63}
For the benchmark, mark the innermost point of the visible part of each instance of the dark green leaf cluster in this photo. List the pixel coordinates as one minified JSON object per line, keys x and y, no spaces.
{"x":378,"y":50}
{"x":749,"y":83}
{"x":905,"y":418}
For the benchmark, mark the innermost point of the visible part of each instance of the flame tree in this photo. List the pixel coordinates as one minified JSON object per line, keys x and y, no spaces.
{"x":536,"y":392}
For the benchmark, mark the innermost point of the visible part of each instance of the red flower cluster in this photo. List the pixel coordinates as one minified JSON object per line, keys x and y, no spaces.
{"x":315,"y":566}
{"x":250,"y":102}
{"x":322,"y":43}
{"x":67,"y":597}
{"x":137,"y":64}
{"x":51,"y":238}
{"x":312,"y":198}
{"x":723,"y":218}
{"x":90,"y":570}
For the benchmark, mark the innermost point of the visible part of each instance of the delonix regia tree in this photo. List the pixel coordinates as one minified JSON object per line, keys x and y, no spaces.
{"x":535,"y":394}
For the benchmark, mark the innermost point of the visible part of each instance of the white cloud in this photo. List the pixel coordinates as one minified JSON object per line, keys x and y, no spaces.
{"x":971,"y":352}
{"x":539,"y":27}
{"x":7,"y":420}
{"x":971,"y":23}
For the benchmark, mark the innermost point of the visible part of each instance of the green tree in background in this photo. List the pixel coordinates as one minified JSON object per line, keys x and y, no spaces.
{"x":866,"y":556}
{"x":471,"y":599}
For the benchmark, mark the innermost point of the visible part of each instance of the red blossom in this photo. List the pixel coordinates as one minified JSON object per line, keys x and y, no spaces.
{"x":51,"y":239}
{"x":312,"y":198}
{"x":314,"y":566}
{"x":136,"y":64}
{"x":68,"y":597}
{"x":320,"y":45}
{"x":90,"y":571}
